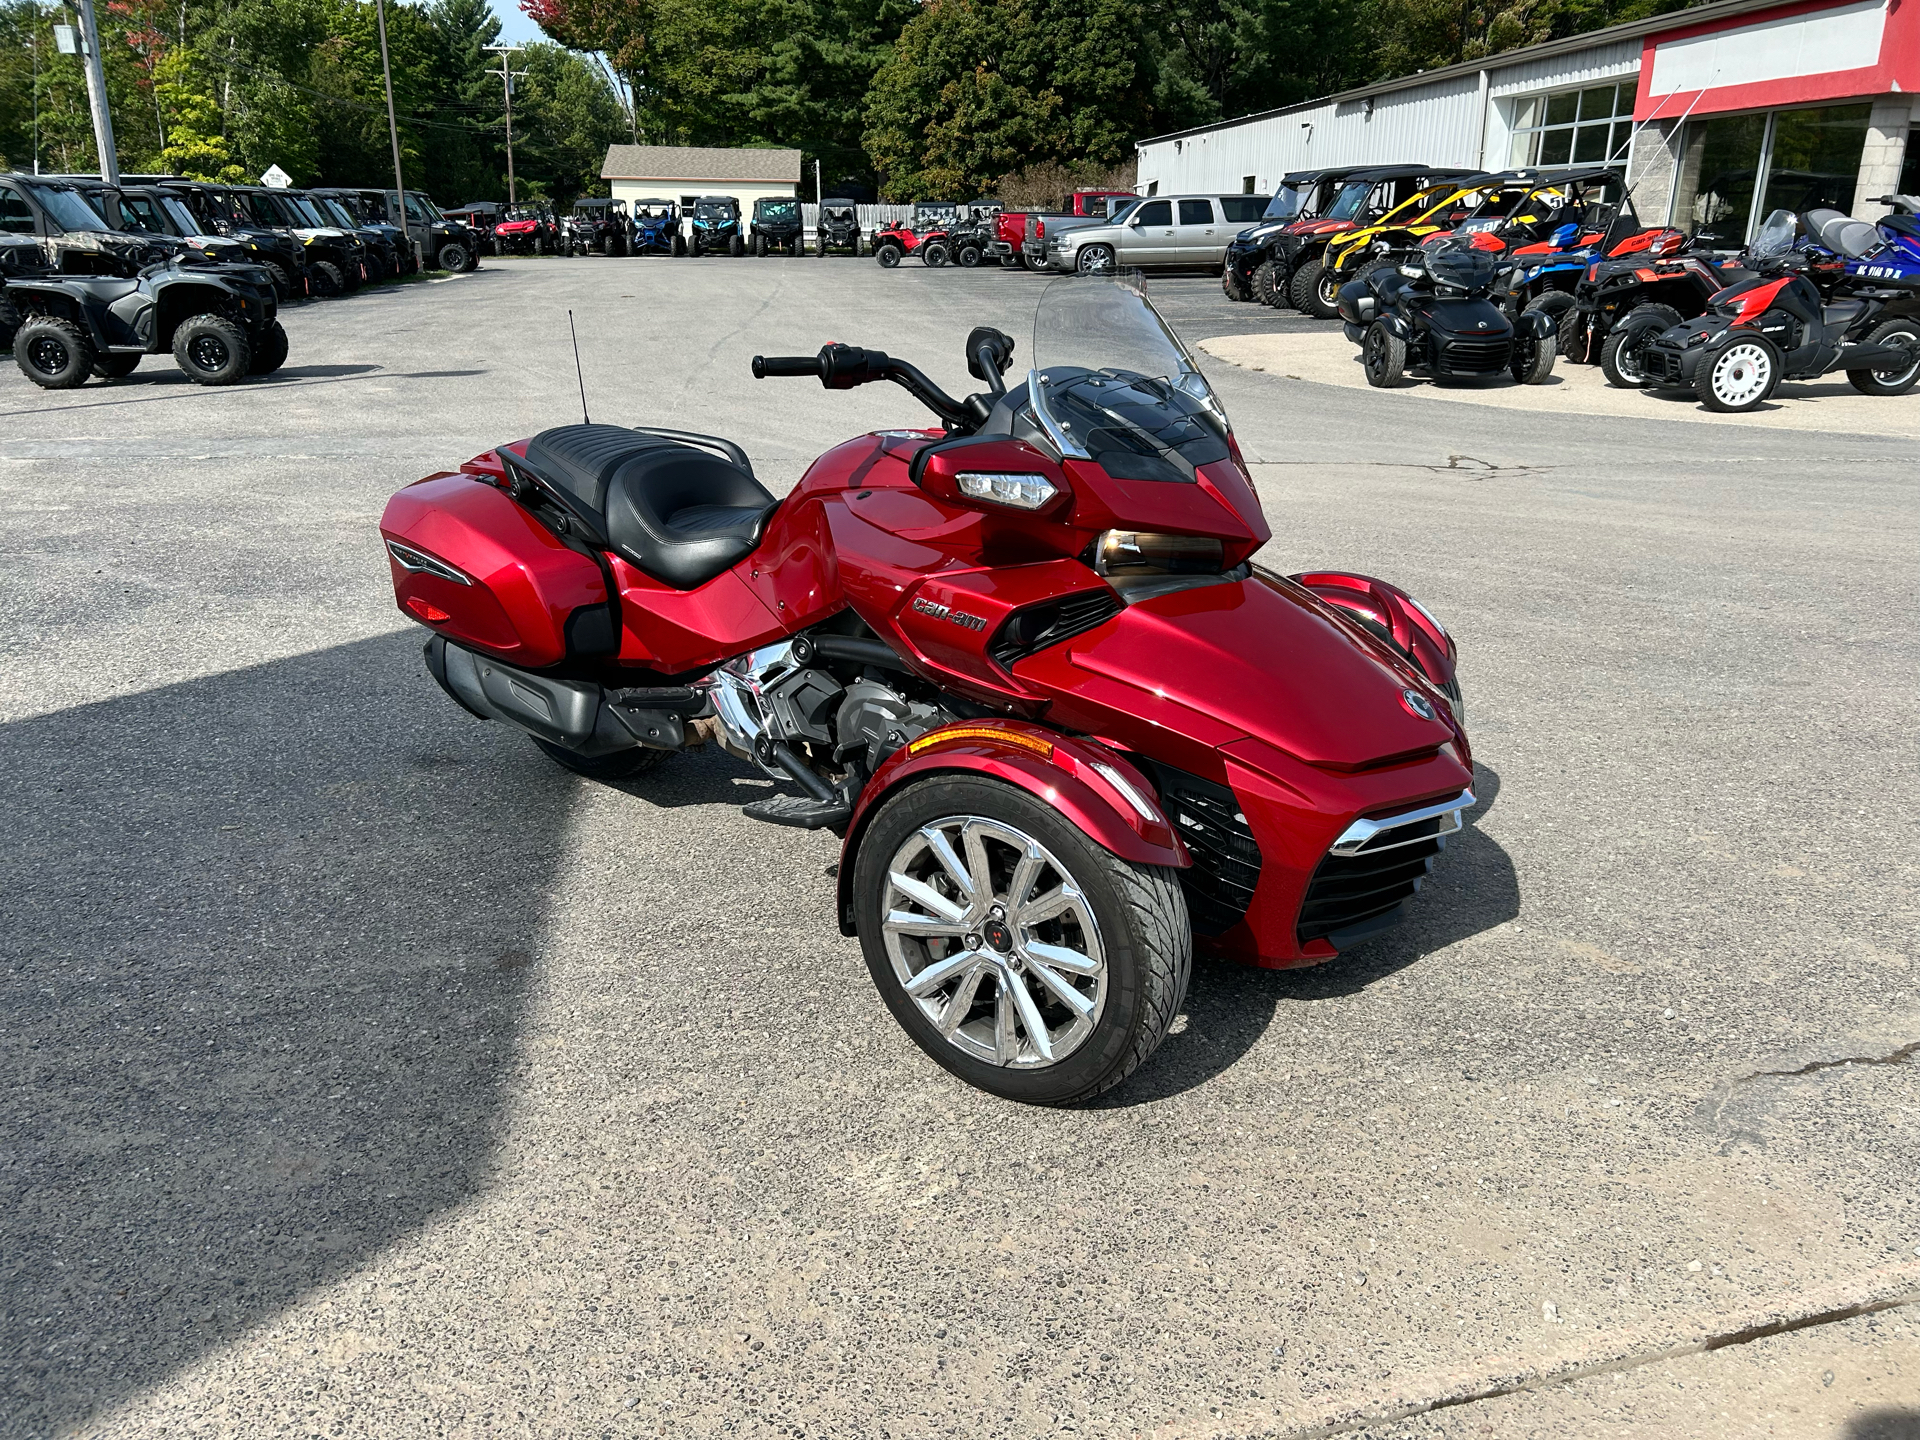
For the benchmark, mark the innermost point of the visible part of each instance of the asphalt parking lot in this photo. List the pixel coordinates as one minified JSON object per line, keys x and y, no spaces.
{"x":363,"y":1074}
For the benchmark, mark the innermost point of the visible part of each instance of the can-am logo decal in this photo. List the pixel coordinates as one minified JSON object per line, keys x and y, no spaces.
{"x":943,"y":612}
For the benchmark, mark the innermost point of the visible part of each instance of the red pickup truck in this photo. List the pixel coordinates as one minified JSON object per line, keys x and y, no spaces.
{"x":1021,"y":235}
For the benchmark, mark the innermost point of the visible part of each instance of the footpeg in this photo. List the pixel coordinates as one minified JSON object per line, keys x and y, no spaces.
{"x":800,"y":811}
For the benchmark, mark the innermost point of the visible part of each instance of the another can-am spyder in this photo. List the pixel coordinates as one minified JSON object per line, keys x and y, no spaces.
{"x":1779,"y":326}
{"x":1021,"y":659}
{"x":1435,"y":316}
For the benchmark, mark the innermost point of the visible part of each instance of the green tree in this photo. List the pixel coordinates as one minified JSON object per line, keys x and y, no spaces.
{"x":977,"y":88}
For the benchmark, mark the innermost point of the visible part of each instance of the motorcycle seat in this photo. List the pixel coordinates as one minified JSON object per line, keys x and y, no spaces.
{"x":679,"y":513}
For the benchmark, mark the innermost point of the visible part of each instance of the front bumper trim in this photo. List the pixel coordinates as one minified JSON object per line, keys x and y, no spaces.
{"x":1366,"y":835}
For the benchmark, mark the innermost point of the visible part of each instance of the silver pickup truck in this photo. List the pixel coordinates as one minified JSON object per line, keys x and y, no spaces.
{"x":1158,"y":230}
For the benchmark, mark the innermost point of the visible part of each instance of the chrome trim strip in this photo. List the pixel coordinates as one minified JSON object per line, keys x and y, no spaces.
{"x":1064,"y":444}
{"x":1354,"y":838}
{"x":418,"y":562}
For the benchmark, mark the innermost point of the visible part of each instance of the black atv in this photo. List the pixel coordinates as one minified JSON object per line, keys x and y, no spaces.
{"x":445,"y":244}
{"x":218,"y":320}
{"x":20,"y":256}
{"x":336,"y":257}
{"x":1437,"y":316}
{"x":716,"y":226}
{"x":839,"y":228}
{"x":776,"y":224}
{"x":973,"y":232}
{"x":216,"y":211}
{"x":368,"y":212}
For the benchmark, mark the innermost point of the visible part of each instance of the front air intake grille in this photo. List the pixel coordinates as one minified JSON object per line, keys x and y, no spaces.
{"x":1348,"y":891}
{"x":1374,"y":868}
{"x":1033,"y":629}
{"x":1226,"y":858}
{"x":1474,"y":357}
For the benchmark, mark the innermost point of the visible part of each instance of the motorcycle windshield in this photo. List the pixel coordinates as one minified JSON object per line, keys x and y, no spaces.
{"x":1112,"y":383}
{"x":1775,"y":235}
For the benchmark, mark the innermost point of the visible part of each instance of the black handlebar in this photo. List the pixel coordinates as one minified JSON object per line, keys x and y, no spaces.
{"x":841,"y":367}
{"x":784,"y":365}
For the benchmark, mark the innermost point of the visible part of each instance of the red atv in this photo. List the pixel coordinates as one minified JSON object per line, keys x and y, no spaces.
{"x":926,"y":235}
{"x":525,"y":231}
{"x":1020,"y":660}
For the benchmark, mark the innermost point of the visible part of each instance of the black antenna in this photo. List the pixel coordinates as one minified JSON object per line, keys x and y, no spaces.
{"x":578,"y":373}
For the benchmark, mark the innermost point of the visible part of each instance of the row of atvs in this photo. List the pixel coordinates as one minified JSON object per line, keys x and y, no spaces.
{"x":1812,"y":295}
{"x":1474,"y":276}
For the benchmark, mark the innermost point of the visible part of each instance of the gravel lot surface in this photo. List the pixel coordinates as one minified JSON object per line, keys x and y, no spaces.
{"x":363,"y":1074}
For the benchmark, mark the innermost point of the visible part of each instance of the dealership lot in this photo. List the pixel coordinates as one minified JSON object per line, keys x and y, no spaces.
{"x":365,"y":1074}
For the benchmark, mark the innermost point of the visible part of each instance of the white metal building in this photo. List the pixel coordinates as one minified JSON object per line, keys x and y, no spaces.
{"x":1719,"y":113}
{"x":686,"y":172}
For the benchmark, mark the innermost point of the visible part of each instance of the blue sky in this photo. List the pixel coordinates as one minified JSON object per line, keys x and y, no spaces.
{"x":515,"y":28}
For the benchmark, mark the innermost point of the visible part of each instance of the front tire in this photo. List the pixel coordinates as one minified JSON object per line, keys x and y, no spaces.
{"x":1620,"y":352}
{"x":1737,"y":377}
{"x":888,"y":255}
{"x":54,"y":354}
{"x":760,"y":246}
{"x":455,"y":257}
{"x":736,"y":247}
{"x":1383,"y":355}
{"x":1532,"y":362}
{"x":1048,"y":983}
{"x":1267,"y":288}
{"x":1315,"y":290}
{"x":1890,"y":382}
{"x":1569,"y":323}
{"x":1094,"y":260}
{"x":328,"y":282}
{"x":212,"y":350}
{"x":969,"y":257}
{"x":1233,"y":287}
{"x":269,"y":350}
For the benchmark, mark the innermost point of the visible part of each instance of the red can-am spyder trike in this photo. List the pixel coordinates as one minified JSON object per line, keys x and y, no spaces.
{"x":1021,"y":661}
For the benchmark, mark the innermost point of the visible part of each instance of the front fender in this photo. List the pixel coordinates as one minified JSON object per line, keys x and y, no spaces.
{"x":1537,"y":323}
{"x":1397,"y":325}
{"x":1084,"y":781}
{"x":1388,"y":613}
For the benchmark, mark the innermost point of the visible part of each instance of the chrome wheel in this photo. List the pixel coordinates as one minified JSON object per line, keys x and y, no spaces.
{"x":994,"y":942}
{"x":1741,"y":374}
{"x":1095,"y":260}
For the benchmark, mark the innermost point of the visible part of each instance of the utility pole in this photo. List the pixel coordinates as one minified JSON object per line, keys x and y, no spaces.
{"x":507,"y":74}
{"x":97,"y":95}
{"x":393,"y":132}
{"x":33,"y":44}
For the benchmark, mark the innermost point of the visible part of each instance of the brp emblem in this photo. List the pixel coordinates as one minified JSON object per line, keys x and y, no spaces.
{"x":1417,"y":703}
{"x":1481,"y":323}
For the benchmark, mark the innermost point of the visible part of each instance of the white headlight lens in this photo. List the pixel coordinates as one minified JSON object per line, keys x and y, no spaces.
{"x":1022,"y":492}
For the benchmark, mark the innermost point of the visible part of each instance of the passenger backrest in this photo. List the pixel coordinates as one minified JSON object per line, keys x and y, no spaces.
{"x":1852,"y":238}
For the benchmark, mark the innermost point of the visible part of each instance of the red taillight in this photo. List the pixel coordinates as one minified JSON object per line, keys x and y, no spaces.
{"x":1039,"y":229}
{"x":432,"y":614}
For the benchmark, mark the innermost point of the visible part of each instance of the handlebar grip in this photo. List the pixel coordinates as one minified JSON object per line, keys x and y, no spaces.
{"x":783,"y":365}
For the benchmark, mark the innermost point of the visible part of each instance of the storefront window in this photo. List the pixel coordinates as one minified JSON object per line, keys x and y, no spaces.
{"x":1574,"y":127}
{"x":1814,"y":160}
{"x":1736,"y":168}
{"x":1714,"y":198}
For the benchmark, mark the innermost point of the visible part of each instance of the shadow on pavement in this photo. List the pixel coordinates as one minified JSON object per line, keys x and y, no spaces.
{"x":1229,"y":1007}
{"x":1884,"y":1423}
{"x":269,"y":937}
